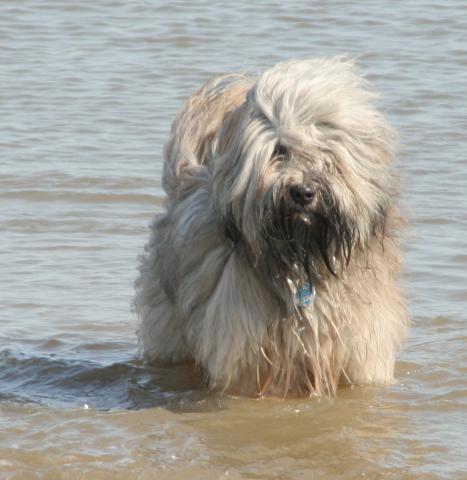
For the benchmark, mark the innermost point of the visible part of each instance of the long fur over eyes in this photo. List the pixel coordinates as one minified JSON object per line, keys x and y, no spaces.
{"x":274,"y":183}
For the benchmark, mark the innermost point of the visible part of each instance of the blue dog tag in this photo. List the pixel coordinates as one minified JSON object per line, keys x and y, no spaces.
{"x":305,"y":295}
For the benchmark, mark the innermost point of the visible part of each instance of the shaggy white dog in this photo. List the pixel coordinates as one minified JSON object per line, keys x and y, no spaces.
{"x":274,"y":265}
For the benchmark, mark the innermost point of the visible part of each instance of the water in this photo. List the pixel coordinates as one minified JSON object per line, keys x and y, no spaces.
{"x":88,"y":92}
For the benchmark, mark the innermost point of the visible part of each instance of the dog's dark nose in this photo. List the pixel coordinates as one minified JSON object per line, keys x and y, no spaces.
{"x":301,"y":194}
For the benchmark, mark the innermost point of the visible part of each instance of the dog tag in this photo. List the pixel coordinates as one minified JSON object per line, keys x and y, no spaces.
{"x":305,"y":295}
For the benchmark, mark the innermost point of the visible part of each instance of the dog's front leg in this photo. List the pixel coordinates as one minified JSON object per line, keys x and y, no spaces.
{"x":226,"y":331}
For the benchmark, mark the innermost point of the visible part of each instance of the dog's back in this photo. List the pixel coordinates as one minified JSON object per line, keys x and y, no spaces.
{"x":192,"y":131}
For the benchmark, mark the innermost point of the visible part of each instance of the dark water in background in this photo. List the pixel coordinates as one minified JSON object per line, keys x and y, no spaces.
{"x":88,"y":92}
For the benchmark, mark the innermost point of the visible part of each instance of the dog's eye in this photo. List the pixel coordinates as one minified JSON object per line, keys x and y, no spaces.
{"x":280,"y":152}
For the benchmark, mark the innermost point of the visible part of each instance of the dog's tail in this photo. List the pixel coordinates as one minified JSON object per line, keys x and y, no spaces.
{"x":187,"y":151}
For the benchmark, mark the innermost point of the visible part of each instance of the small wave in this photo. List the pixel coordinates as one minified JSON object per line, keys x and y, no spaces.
{"x":57,"y":180}
{"x":76,"y":383}
{"x":81,"y":197}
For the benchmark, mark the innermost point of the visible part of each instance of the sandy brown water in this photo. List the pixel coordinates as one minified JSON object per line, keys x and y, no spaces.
{"x":88,"y":92}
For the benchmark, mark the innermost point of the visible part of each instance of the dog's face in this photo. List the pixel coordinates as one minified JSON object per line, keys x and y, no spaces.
{"x":308,"y":210}
{"x":300,"y":170}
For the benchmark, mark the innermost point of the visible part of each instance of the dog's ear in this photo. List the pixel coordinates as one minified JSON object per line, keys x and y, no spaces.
{"x":226,"y":164}
{"x":204,"y":148}
{"x":232,"y":232}
{"x":229,"y":128}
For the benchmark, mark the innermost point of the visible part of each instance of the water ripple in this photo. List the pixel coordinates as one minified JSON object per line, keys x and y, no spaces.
{"x":75,"y":383}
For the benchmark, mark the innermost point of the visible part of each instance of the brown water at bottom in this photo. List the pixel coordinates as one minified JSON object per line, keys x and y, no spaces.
{"x":236,"y":439}
{"x":182,"y":431}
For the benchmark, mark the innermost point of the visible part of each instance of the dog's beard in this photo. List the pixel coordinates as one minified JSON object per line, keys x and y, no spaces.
{"x":313,"y":242}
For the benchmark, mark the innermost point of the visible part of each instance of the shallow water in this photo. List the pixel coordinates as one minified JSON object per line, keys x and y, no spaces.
{"x":88,"y":92}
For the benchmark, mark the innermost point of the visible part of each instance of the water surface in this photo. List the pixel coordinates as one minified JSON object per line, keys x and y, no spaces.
{"x":88,"y":92}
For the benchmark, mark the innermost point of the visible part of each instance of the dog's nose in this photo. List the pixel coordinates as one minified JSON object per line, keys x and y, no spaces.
{"x":301,"y":194}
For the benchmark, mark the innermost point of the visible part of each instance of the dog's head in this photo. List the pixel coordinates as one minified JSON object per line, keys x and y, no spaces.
{"x":300,"y":170}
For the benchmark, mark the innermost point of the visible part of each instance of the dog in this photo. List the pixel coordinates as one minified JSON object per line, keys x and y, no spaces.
{"x":275,"y":263}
